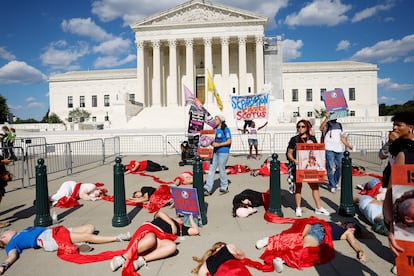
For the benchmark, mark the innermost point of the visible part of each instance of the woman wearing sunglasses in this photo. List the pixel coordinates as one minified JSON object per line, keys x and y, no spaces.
{"x":304,"y":135}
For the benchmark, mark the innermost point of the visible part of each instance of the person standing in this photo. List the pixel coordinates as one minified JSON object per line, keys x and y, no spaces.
{"x":303,"y":128}
{"x":252,"y":138}
{"x":221,"y":144}
{"x":333,"y":137}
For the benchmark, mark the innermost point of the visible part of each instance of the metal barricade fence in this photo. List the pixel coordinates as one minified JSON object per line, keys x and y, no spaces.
{"x":142,"y":144}
{"x":16,"y":167}
{"x":112,"y":147}
{"x":366,"y":147}
{"x":29,"y":141}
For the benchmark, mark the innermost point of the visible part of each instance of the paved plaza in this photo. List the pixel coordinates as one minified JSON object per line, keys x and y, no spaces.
{"x":17,"y":207}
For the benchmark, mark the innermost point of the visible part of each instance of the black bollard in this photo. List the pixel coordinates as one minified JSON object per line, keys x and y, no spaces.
{"x":346,"y":207}
{"x":42,"y":208}
{"x":198,"y":184}
{"x":275,"y":204}
{"x":120,"y":217}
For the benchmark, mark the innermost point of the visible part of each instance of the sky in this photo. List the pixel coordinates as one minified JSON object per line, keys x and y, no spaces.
{"x":39,"y":39}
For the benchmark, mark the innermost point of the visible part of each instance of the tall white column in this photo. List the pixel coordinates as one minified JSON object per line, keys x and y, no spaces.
{"x":140,"y":94}
{"x":259,"y":64}
{"x":189,"y":63}
{"x":172,"y":87}
{"x":208,"y":63}
{"x":156,"y":78}
{"x":242,"y":65}
{"x":225,"y":67}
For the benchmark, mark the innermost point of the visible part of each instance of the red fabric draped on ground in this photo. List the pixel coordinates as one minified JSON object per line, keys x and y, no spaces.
{"x":288,"y":245}
{"x":69,"y":202}
{"x":158,"y":199}
{"x":69,"y":252}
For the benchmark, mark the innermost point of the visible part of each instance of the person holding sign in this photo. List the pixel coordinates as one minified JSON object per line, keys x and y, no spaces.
{"x":333,"y":137}
{"x":303,"y":128}
{"x":221,"y":144}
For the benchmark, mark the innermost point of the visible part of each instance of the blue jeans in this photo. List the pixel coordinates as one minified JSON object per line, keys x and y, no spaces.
{"x":220,"y":161}
{"x":333,"y":158}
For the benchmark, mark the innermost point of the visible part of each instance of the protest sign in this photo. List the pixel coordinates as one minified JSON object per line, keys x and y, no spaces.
{"x":311,"y":163}
{"x":335,"y":103}
{"x":250,"y":107}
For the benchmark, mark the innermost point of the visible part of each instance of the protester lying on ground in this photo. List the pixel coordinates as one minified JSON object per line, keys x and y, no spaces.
{"x":308,"y":242}
{"x":185,"y":178}
{"x":264,"y":170}
{"x":49,"y":239}
{"x":246,"y":202}
{"x":214,"y":260}
{"x":153,"y":241}
{"x":135,"y":166}
{"x":70,"y":191}
{"x":163,"y":196}
{"x":372,"y":209}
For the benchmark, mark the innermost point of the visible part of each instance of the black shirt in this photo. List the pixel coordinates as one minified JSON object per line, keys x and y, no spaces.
{"x":166,"y":227}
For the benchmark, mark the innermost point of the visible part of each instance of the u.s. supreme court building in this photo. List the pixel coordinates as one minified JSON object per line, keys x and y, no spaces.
{"x":177,"y":47}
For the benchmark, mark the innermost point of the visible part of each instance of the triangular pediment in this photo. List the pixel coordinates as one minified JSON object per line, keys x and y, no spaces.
{"x":199,"y":12}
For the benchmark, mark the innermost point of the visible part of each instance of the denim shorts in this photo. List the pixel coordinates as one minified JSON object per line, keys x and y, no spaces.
{"x":318,"y":232}
{"x":252,"y":142}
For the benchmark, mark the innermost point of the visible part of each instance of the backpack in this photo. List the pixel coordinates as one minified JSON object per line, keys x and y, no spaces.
{"x":328,"y":128}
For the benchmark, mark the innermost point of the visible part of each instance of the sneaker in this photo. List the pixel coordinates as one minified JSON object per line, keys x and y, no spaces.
{"x":333,"y":190}
{"x":322,"y":211}
{"x":262,"y":243}
{"x":207,"y":193}
{"x":359,"y":187}
{"x":224,"y":191}
{"x":278,"y":264}
{"x":140,"y":262}
{"x":338,"y":187}
{"x":124,"y":237}
{"x":117,"y":262}
{"x":298,"y":212}
{"x":250,"y":158}
{"x":257,"y":158}
{"x":394,"y":270}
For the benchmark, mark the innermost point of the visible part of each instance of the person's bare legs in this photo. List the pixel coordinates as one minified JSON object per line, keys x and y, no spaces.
{"x":251,"y":151}
{"x":257,"y":150}
{"x":164,"y":249}
{"x":298,"y":195}
{"x":84,"y":233}
{"x":315,"y":194}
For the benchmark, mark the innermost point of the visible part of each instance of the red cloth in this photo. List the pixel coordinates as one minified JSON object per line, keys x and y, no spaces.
{"x":265,"y":169}
{"x":69,"y":202}
{"x":158,"y":199}
{"x":141,"y":167}
{"x":232,"y":268}
{"x":373,"y":192}
{"x":237,"y":168}
{"x":288,"y":245}
{"x":67,"y":251}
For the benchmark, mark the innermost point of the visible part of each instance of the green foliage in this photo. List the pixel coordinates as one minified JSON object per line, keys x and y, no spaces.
{"x":78,"y":115}
{"x":26,"y":121}
{"x":4,"y":110}
{"x":320,"y":113}
{"x":385,"y":110}
{"x":52,"y":118}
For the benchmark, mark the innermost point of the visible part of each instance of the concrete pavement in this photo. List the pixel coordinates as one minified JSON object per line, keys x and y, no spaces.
{"x":17,"y":207}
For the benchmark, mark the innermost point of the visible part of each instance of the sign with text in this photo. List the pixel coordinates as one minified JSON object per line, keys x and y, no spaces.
{"x":185,"y":201}
{"x":311,"y":159}
{"x":335,"y":103}
{"x":250,"y":107}
{"x":402,"y":178}
{"x":205,"y":148}
{"x":196,"y":122}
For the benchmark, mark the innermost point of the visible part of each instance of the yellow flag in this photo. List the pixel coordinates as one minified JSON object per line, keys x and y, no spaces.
{"x":212,"y":88}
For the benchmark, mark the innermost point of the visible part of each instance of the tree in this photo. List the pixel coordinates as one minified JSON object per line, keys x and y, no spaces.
{"x":390,"y":110}
{"x":4,"y":109}
{"x":52,"y":118}
{"x":78,"y":115}
{"x":320,"y":113}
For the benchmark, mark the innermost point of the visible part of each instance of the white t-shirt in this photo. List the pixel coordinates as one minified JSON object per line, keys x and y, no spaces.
{"x":332,"y":138}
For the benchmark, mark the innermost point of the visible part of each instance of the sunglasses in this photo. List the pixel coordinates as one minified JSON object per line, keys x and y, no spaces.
{"x":301,"y":126}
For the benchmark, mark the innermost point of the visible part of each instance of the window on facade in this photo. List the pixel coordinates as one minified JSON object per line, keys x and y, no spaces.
{"x":295,"y":95}
{"x":295,"y":114}
{"x":234,"y":90}
{"x":70,"y":119}
{"x":82,"y":101}
{"x":322,"y":91}
{"x":94,"y":101}
{"x":70,"y":101}
{"x":310,"y":114}
{"x":131,"y":97}
{"x":352,"y":94}
{"x":93,"y":119}
{"x":308,"y":95}
{"x":106,"y":118}
{"x":352,"y":113}
{"x":106,"y":100}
